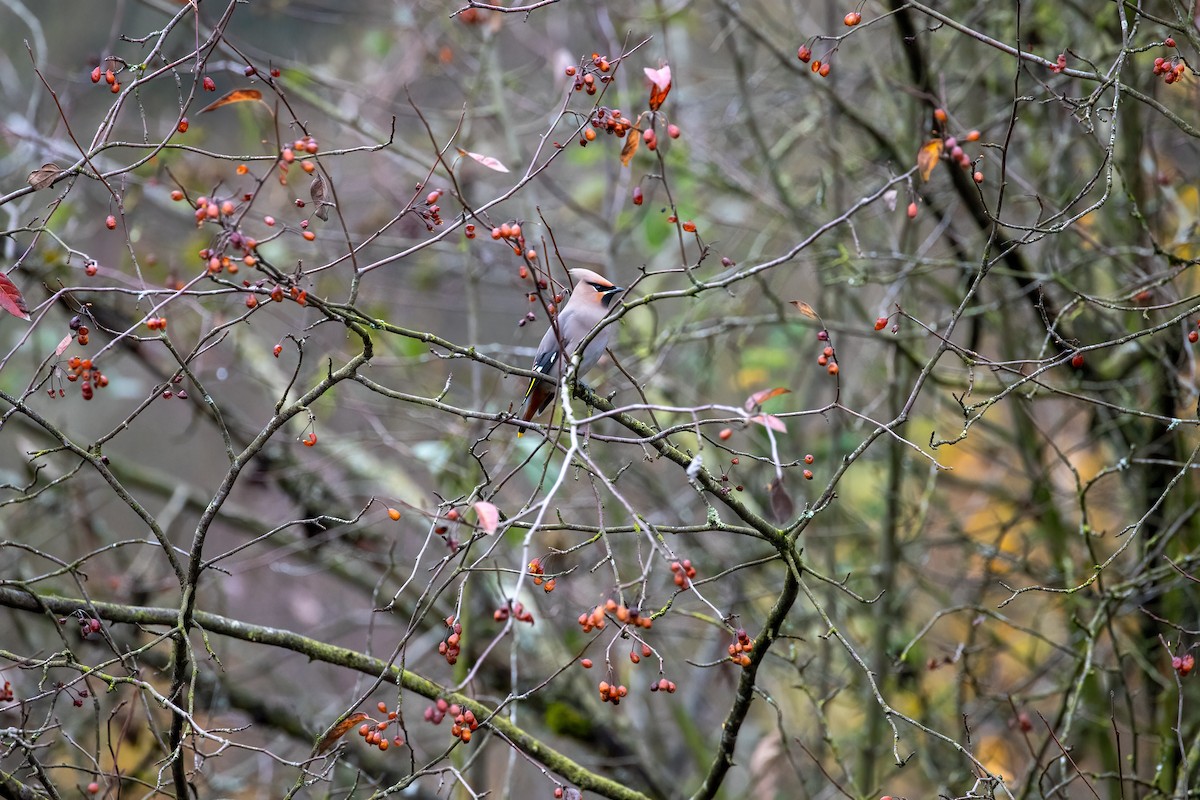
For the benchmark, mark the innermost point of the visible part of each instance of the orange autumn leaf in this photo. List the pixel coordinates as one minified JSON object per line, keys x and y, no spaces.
{"x":660,"y":85}
{"x":758,"y":398}
{"x":927,"y":157}
{"x":236,"y":96}
{"x":632,"y":140}
{"x":338,"y":731}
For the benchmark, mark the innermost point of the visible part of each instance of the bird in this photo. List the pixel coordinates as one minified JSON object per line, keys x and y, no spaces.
{"x":590,"y":302}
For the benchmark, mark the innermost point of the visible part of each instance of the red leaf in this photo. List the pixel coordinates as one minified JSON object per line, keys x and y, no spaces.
{"x":660,"y":85}
{"x":782,"y":506}
{"x":758,"y":398}
{"x":338,"y":731}
{"x":768,"y":421}
{"x":489,"y":516}
{"x":11,"y":299}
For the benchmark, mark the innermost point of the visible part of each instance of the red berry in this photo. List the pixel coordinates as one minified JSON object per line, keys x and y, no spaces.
{"x":881,"y":323}
{"x":637,"y":196}
{"x":96,"y":75}
{"x":1193,"y":336}
{"x":110,"y":222}
{"x":912,"y":210}
{"x":804,"y":54}
{"x":1169,"y":42}
{"x":209,"y":84}
{"x":1077,"y":360}
{"x":183,"y":125}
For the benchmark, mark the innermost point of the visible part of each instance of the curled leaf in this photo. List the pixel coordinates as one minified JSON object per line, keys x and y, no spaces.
{"x":660,"y":85}
{"x":782,"y":506}
{"x":43,"y":176}
{"x":770,"y":421}
{"x":487,"y":161}
{"x":316,"y":190}
{"x":338,"y":731}
{"x":758,"y":398}
{"x":11,"y":299}
{"x":488,"y":515}
{"x":632,"y":140}
{"x":235,"y":96}
{"x":63,"y":345}
{"x":805,"y":309}
{"x":927,"y":157}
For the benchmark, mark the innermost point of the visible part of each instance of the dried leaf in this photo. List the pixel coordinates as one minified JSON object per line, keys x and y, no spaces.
{"x":927,"y":157}
{"x":338,"y":731}
{"x":489,"y":516}
{"x":44,"y":175}
{"x":781,"y":502}
{"x":632,"y":140}
{"x":63,"y":345}
{"x":660,"y":85}
{"x":11,"y":299}
{"x":758,"y":398}
{"x":236,"y":96}
{"x":889,"y":199}
{"x":316,"y":190}
{"x":487,"y":161}
{"x":769,"y":421}
{"x":805,"y":309}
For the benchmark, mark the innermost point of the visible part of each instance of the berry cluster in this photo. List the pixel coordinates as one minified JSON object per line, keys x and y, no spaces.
{"x":441,"y":530}
{"x":156,"y":323}
{"x":684,"y":573}
{"x":435,"y":713}
{"x":77,"y":698}
{"x":515,"y":610}
{"x":1183,"y":664}
{"x":663,"y":685}
{"x":431,"y":213}
{"x":537,"y":571}
{"x":450,"y":647}
{"x":808,"y":459}
{"x":818,"y":66}
{"x":464,"y":723}
{"x":88,"y":627}
{"x":827,"y":358}
{"x":739,"y":651}
{"x":1171,"y":69}
{"x":109,"y":76}
{"x":373,"y":732}
{"x":637,"y":657}
{"x":612,"y":694}
{"x":287,"y":157}
{"x":87,"y":374}
{"x":609,"y":121}
{"x":596,"y":619}
{"x":585,"y":81}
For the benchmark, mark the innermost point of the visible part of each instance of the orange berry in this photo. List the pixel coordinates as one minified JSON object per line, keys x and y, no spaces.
{"x":816,"y":65}
{"x":804,"y":54}
{"x":182,"y":126}
{"x":832,"y":368}
{"x":978,"y":177}
{"x":288,"y":155}
{"x":724,"y":434}
{"x":939,"y":114}
{"x":96,"y":75}
{"x":176,"y":195}
{"x":912,"y":210}
{"x":251,"y":301}
{"x":852,"y":19}
{"x":824,"y":71}
{"x":308,"y":166}
{"x":880,"y":324}
{"x":972,"y":136}
{"x":689,"y":226}
{"x":393,"y":514}
{"x":586,"y":663}
{"x":309,"y":235}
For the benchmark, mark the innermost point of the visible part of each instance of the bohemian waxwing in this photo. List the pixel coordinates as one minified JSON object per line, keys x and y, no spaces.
{"x":589,"y":303}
